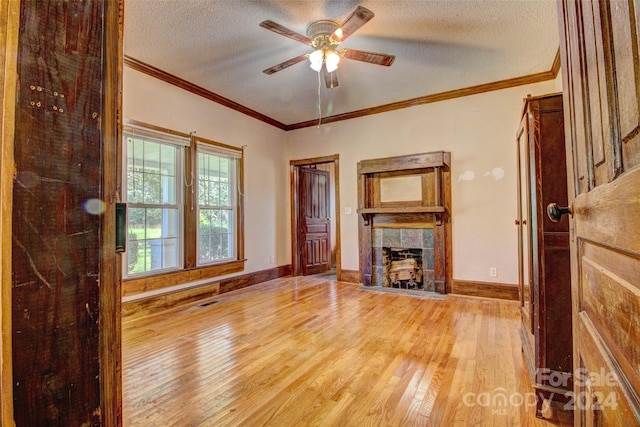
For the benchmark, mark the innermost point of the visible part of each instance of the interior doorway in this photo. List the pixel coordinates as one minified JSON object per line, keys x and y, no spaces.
{"x":315,"y":232}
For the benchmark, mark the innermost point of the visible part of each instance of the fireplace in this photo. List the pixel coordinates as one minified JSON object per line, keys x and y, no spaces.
{"x":404,"y":229}
{"x":403,"y":258}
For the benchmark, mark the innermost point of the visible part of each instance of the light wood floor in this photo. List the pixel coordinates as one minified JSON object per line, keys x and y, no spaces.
{"x":314,"y":352}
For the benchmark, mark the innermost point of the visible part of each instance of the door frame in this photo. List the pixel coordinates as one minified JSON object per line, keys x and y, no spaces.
{"x":9,"y":28}
{"x":110,"y":341}
{"x":294,"y":167}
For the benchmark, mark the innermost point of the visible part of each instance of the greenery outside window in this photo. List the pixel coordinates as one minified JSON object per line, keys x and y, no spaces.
{"x":216,"y":204}
{"x":153,"y":180}
{"x":185,"y":218}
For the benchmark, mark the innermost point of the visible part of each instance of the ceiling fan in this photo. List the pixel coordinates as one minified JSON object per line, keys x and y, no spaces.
{"x":324,"y":36}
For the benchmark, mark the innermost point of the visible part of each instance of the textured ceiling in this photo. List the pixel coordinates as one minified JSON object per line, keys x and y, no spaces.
{"x":439,"y":46}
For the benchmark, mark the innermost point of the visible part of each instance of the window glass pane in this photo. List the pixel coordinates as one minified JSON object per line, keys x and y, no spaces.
{"x":131,"y":186}
{"x":170,"y":223}
{"x":214,"y":166}
{"x":223,"y":223}
{"x":169,"y":190}
{"x":203,"y":167}
{"x":136,"y":223}
{"x":169,"y":253}
{"x":153,"y":239}
{"x":154,"y":221}
{"x":151,"y":189}
{"x":168,"y":160}
{"x":216,"y":235}
{"x":224,"y":195}
{"x":216,"y":227}
{"x":138,"y":154}
{"x":151,"y":156}
{"x":224,"y":169}
{"x":203,"y":193}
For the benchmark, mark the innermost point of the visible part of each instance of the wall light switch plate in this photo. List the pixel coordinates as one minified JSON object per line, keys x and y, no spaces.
{"x":493,"y":272}
{"x":347,"y":211}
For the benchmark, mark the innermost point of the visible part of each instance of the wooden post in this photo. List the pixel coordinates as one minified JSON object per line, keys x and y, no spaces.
{"x":9,"y":25}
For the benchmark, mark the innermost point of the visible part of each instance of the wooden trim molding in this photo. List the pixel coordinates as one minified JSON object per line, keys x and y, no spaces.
{"x":9,"y":27}
{"x":164,"y":280}
{"x":504,"y":291}
{"x":110,"y":341}
{"x":152,"y":71}
{"x":555,"y":67}
{"x":141,"y":307}
{"x":349,"y":276}
{"x":428,"y":99}
{"x":136,"y":307}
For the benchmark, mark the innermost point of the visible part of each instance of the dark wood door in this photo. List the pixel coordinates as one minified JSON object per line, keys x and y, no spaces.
{"x":601,"y":75}
{"x":314,"y":221}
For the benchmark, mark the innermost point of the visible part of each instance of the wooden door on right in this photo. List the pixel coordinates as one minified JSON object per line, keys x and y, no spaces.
{"x":600,"y":44}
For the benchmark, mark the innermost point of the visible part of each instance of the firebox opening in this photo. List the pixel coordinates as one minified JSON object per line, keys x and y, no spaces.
{"x":404,"y":259}
{"x":403,"y":268}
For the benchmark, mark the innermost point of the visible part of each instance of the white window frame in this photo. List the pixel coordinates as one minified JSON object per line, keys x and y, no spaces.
{"x":180,"y":144}
{"x":234,"y":157}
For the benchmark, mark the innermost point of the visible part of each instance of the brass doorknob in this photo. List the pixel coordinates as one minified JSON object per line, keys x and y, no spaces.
{"x":555,"y":212}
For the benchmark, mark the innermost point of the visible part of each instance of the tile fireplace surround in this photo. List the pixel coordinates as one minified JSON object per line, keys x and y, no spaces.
{"x":419,"y":240}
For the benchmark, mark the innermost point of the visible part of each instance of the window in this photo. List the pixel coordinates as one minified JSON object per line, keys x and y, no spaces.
{"x":184,"y":206}
{"x":216,"y":205}
{"x":153,"y":172}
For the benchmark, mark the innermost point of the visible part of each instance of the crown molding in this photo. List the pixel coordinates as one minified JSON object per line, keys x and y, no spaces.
{"x":159,"y":74}
{"x":152,"y":71}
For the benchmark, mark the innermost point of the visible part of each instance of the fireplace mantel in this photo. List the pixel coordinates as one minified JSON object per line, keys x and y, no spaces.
{"x":413,"y":189}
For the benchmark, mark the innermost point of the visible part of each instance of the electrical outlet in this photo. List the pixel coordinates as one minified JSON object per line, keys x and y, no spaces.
{"x":493,"y":272}
{"x":273,"y":259}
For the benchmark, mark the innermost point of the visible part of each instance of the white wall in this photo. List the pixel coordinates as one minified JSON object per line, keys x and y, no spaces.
{"x":558,"y":81}
{"x":479,"y":131}
{"x":267,"y":221}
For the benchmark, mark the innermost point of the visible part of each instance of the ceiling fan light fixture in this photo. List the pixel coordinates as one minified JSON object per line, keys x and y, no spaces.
{"x":331,"y":59}
{"x":316,"y":58}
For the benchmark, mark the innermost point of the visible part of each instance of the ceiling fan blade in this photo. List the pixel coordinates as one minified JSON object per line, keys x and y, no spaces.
{"x":284,"y":31}
{"x":357,"y":19}
{"x":330,"y":78}
{"x":288,"y":63}
{"x":371,"y":57}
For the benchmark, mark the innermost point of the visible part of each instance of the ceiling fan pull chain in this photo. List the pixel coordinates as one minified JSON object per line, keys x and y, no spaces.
{"x":319,"y":102}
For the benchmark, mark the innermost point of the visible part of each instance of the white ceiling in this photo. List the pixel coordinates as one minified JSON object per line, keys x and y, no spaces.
{"x":439,"y":46}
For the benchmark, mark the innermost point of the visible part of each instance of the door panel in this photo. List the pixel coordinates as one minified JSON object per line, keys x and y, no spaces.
{"x":524,"y":226}
{"x":600,"y":52}
{"x":314,"y":221}
{"x":627,"y":77}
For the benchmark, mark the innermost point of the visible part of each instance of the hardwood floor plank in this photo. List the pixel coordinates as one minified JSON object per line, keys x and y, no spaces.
{"x":307,"y":351}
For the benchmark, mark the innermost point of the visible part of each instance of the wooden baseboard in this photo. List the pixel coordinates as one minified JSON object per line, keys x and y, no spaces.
{"x":239,"y":282}
{"x":134,"y":307}
{"x":175,"y":278}
{"x":504,"y":291}
{"x":350,"y":276}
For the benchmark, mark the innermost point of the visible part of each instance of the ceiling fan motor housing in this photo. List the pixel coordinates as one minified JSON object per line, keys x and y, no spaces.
{"x":320,"y":33}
